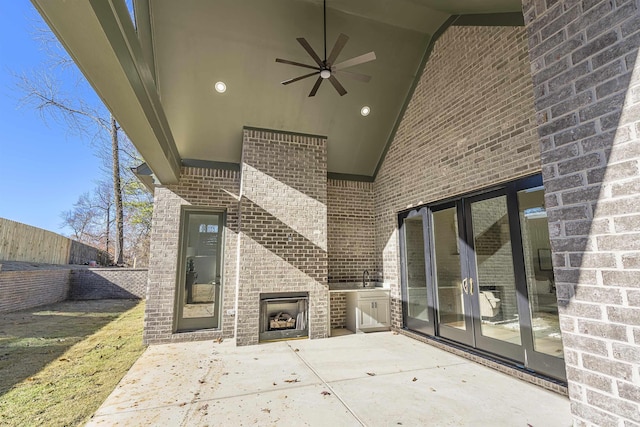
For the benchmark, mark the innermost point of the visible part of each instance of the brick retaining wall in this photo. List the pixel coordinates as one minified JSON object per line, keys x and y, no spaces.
{"x":107,"y":283}
{"x":25,"y":285}
{"x":20,"y":290}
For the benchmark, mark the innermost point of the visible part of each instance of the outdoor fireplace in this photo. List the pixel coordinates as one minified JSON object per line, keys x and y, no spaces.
{"x":284,"y":315}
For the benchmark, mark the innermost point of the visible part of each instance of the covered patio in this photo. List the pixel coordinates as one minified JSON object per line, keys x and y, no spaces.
{"x":380,"y":379}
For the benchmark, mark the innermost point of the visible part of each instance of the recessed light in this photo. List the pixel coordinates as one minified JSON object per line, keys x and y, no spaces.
{"x":365,"y":111}
{"x":220,"y":87}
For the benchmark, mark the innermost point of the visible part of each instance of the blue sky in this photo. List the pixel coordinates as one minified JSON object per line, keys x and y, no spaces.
{"x":43,"y":168}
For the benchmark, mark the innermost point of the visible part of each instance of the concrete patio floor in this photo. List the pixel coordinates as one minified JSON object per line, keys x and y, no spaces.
{"x":377,"y":379}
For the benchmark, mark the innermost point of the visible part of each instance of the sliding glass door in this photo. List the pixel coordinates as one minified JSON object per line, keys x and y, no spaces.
{"x":488,"y":271}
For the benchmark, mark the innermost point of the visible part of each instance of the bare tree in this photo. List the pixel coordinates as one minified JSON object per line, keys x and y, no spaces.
{"x":81,"y":219}
{"x":117,"y":190}
{"x":43,"y":90}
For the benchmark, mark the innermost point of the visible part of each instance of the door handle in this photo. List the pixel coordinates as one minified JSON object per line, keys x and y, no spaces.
{"x":471,"y":285}
{"x":465,"y":288}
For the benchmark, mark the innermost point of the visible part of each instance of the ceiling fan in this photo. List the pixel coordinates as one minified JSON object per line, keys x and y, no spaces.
{"x":327,"y":69}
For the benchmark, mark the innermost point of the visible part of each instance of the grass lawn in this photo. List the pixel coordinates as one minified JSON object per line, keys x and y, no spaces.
{"x":58,"y":363}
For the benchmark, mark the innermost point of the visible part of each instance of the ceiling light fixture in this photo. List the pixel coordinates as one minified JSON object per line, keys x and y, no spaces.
{"x":220,"y":87}
{"x":365,"y":111}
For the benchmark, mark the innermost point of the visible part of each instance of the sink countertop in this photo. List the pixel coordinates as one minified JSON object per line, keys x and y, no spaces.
{"x":357,"y":287}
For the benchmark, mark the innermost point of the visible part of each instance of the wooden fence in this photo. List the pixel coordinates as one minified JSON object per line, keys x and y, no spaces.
{"x":20,"y":242}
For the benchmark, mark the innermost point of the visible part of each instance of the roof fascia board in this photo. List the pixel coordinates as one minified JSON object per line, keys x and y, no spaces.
{"x":510,"y":19}
{"x":100,"y":37}
{"x":144,"y":30}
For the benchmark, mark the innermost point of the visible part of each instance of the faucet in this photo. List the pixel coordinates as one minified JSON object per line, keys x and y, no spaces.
{"x":365,"y":274}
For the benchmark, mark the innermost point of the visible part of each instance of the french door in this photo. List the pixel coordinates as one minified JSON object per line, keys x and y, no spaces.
{"x":485,"y":276}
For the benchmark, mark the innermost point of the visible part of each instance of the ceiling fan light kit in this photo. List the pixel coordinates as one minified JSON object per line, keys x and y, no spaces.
{"x":327,"y":69}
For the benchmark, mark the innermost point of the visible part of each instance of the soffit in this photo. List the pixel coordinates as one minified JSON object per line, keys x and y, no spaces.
{"x":199,"y":42}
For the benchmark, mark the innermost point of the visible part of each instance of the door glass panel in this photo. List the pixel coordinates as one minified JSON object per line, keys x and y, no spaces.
{"x":496,"y":287}
{"x":447,"y":269}
{"x":539,"y":272}
{"x":201,"y":265}
{"x":417,"y":306}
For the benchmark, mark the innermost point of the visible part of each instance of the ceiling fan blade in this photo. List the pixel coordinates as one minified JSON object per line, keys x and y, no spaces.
{"x":297,"y":64}
{"x":315,"y":87}
{"x":286,"y":82}
{"x":355,"y":61}
{"x":305,"y":44}
{"x":337,"y":85}
{"x":352,"y":75}
{"x":337,"y":48}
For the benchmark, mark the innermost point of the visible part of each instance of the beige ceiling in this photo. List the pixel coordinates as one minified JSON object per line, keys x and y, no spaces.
{"x":199,"y":42}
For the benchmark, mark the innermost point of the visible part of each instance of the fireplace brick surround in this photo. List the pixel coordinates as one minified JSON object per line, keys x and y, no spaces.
{"x":283,"y":226}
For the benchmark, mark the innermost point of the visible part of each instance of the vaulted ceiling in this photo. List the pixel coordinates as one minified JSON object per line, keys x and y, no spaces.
{"x":182,"y":48}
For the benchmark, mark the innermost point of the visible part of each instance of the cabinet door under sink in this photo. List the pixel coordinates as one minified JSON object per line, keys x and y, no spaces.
{"x":371,"y":311}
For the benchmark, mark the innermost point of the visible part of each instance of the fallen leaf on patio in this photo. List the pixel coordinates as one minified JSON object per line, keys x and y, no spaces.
{"x":371,"y":374}
{"x":274,"y":383}
{"x":295,"y":349}
{"x":396,"y":333}
{"x":219,"y":340}
{"x":225,"y":373}
{"x":325,"y":393}
{"x":64,"y":359}
{"x":295,"y":380}
{"x":432,"y":389}
{"x":464,"y":381}
{"x":414,"y":379}
{"x":182,"y":404}
{"x":255,"y":358}
{"x":267,"y":410}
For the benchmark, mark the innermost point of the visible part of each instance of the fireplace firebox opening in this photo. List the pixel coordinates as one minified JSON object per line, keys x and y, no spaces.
{"x":284,"y":316}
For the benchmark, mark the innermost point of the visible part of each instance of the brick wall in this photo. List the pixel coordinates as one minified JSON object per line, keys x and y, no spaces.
{"x":199,"y":187}
{"x":283,"y":242}
{"x":469,"y":124}
{"x":351,"y":239}
{"x":107,"y":283}
{"x":338,"y":315}
{"x":20,"y":290}
{"x":351,"y":230}
{"x":587,"y":84}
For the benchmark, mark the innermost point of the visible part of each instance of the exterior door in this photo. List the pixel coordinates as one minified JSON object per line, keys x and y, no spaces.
{"x":199,"y":278}
{"x":488,"y":267}
{"x":418,"y":300}
{"x":492,"y":284}
{"x":450,"y":274}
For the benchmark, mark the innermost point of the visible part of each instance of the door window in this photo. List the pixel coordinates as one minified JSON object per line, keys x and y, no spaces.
{"x":543,"y":303}
{"x":494,"y":281}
